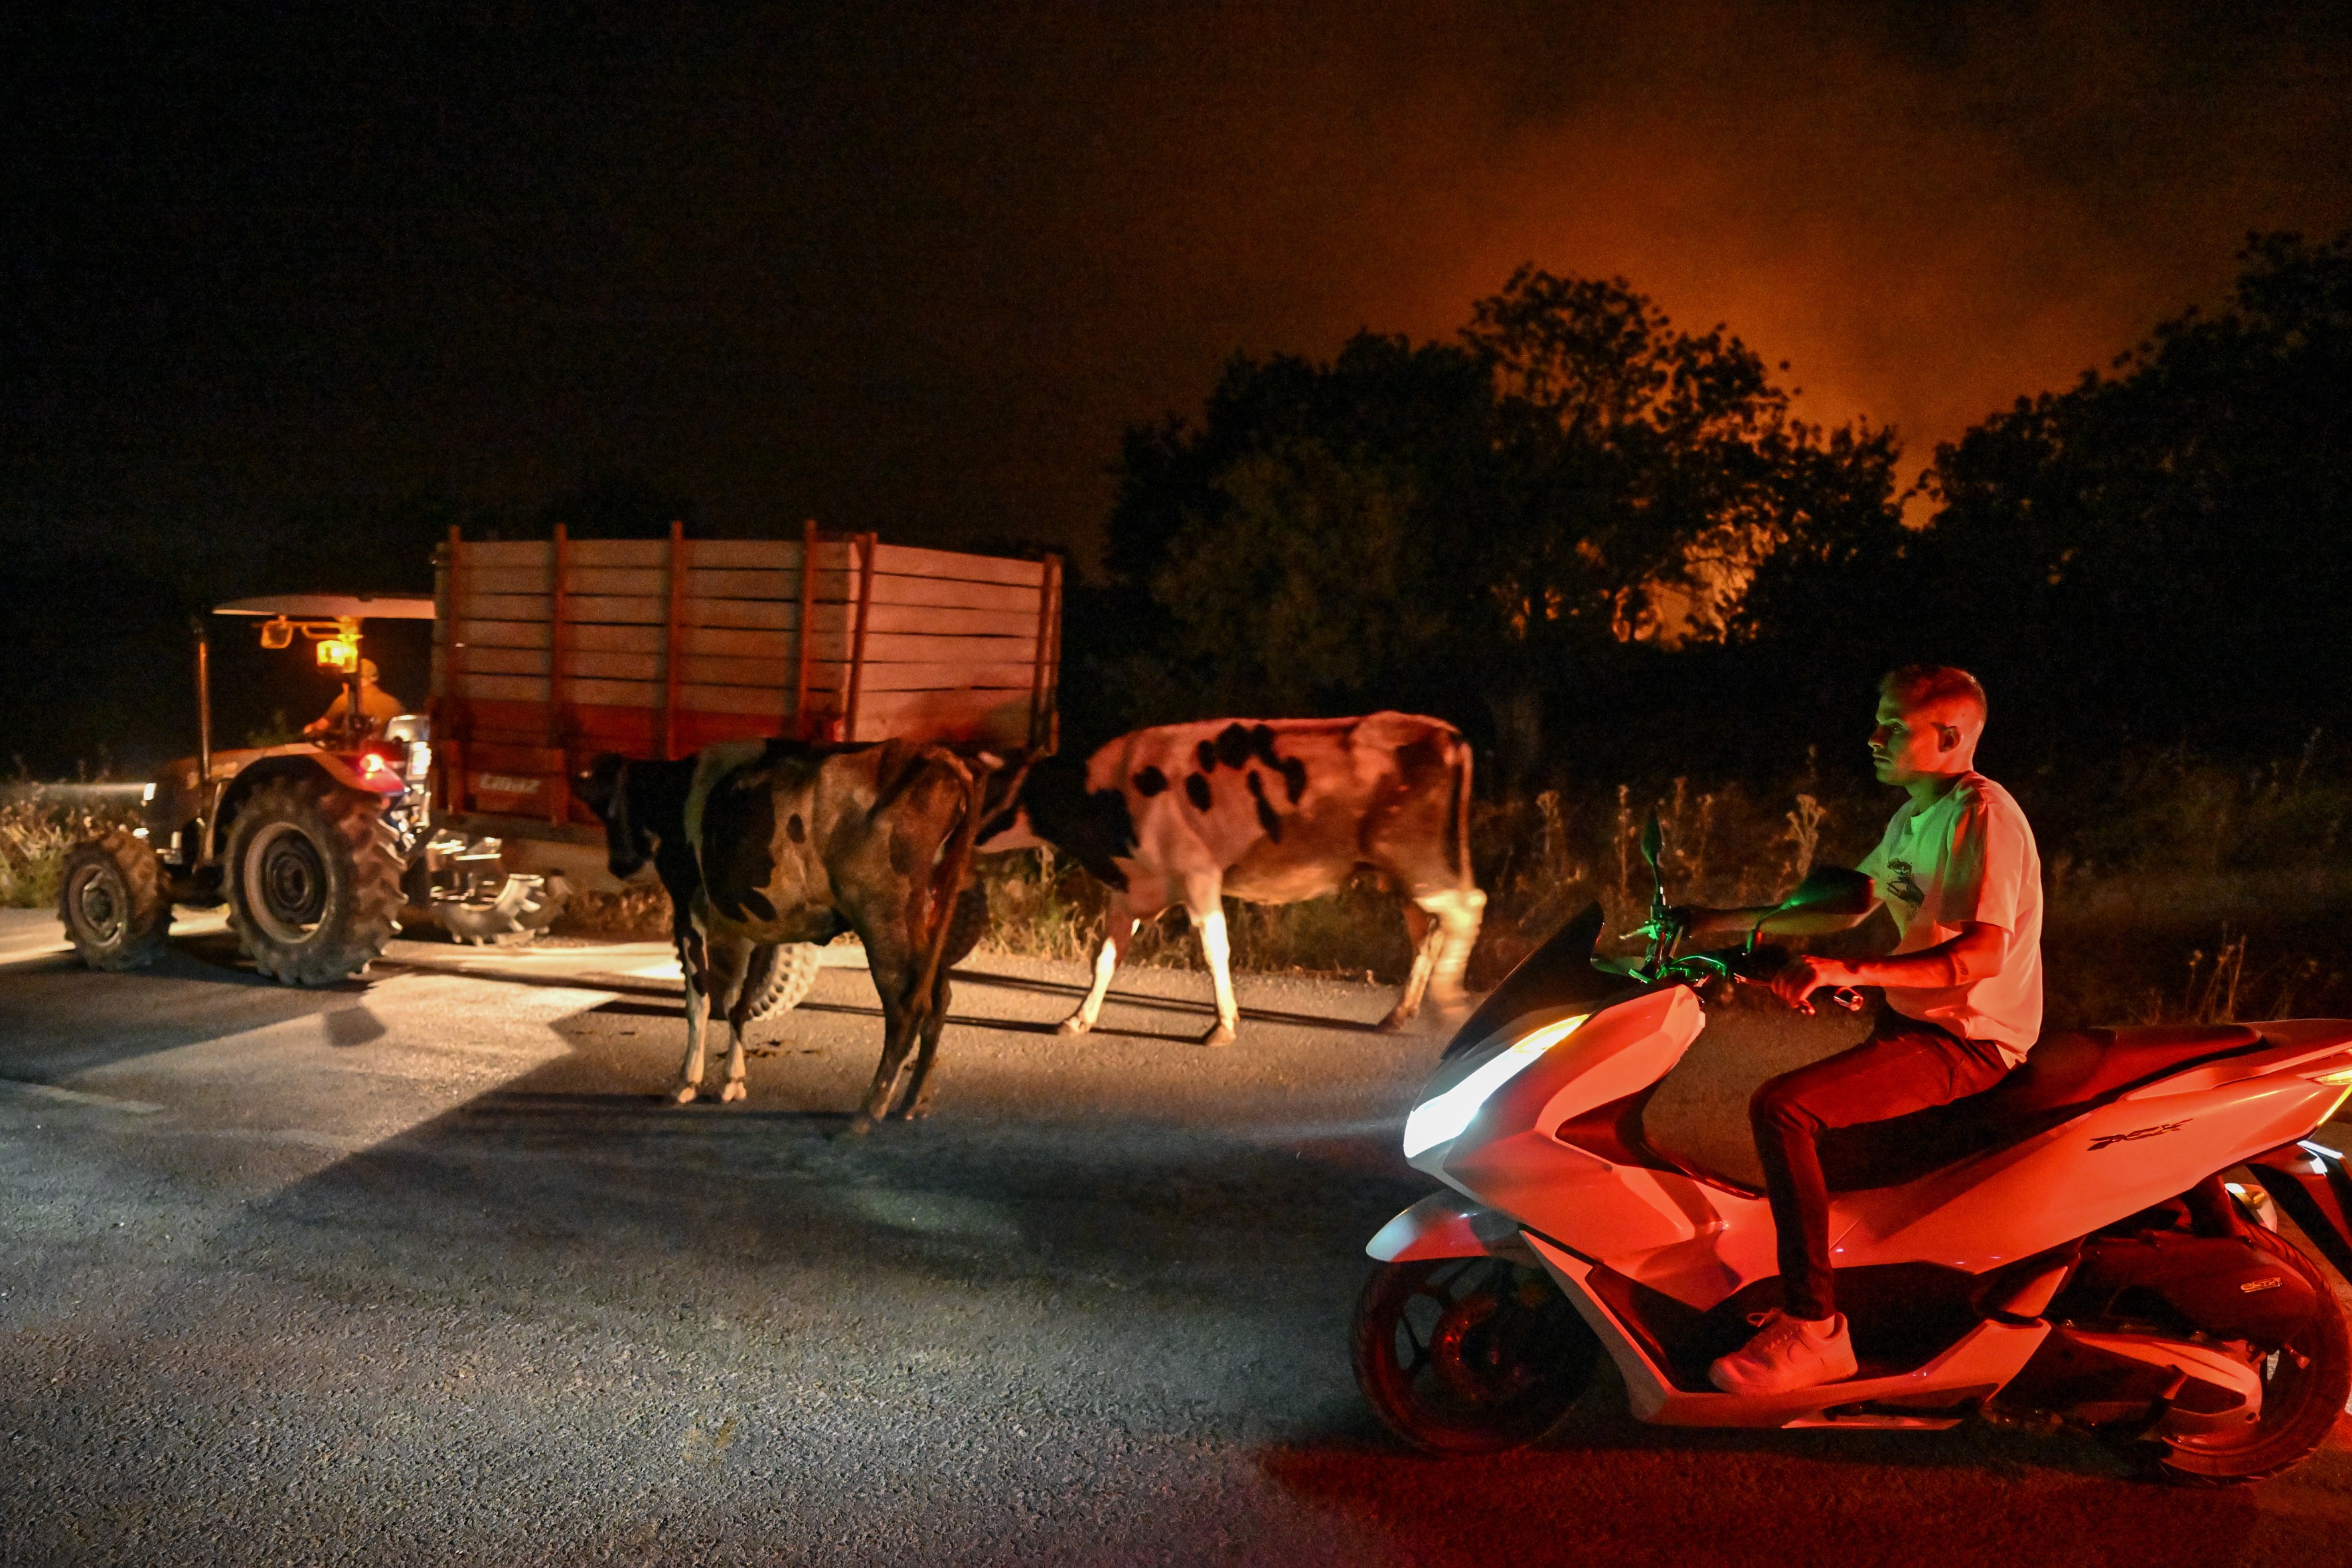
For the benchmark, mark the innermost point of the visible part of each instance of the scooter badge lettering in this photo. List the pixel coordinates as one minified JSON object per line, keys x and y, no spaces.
{"x":2137,"y":1133}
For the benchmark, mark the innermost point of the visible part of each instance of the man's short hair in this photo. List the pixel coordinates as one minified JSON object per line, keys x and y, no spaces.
{"x":1933,"y":685}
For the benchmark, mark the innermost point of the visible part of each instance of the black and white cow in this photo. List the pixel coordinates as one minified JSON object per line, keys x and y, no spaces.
{"x":1271,"y":811}
{"x":763,"y":842}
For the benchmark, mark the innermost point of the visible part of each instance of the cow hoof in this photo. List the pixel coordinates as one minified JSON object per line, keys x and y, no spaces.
{"x":684,"y":1093}
{"x":734,"y":1090}
{"x":1223,"y":1035}
{"x":1073,"y":1026}
{"x":915,"y":1112}
{"x":1394,"y":1022}
{"x":859,"y":1126}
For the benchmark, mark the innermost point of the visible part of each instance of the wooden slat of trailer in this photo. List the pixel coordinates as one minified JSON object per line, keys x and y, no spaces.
{"x":752,"y":554}
{"x":706,"y":669}
{"x":933,"y":620}
{"x":589,"y":636}
{"x":502,"y":634}
{"x":895,"y":590}
{"x":507,"y":579}
{"x":900,"y":648}
{"x":639,"y":553}
{"x":506,"y":689}
{"x":764,"y":699}
{"x":483,"y":660}
{"x":594,"y":665}
{"x":473,"y":606}
{"x":999,"y":715}
{"x":1015,"y":675}
{"x":610,"y":609}
{"x":752,"y":614}
{"x":907,"y":561}
{"x":623,"y":580}
{"x":727,"y":642}
{"x":842,"y":587}
{"x":612,"y":693}
{"x":495,"y":553}
{"x":708,"y":585}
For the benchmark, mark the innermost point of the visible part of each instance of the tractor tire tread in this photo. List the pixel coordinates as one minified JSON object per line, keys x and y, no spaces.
{"x":374,"y":899}
{"x":149,"y":933}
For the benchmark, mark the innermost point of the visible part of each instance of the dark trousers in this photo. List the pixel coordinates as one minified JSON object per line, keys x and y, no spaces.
{"x":1903,"y":1066}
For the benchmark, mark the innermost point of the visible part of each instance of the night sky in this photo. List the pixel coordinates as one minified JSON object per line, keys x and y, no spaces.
{"x":913,"y":267}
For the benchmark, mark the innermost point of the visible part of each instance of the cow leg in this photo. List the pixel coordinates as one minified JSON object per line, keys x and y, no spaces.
{"x":732,"y":964}
{"x":1204,"y":900}
{"x":697,"y":1011}
{"x":1118,"y":929}
{"x":918,"y":1101}
{"x":1425,"y":937}
{"x":894,"y":971}
{"x":1459,"y":912}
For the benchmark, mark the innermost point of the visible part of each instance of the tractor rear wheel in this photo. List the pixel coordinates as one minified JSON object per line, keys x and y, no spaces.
{"x":112,"y":898}
{"x":313,"y":880}
{"x":787,"y":981}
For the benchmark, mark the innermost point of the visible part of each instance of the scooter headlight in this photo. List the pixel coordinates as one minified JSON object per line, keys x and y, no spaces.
{"x":1442,"y":1117}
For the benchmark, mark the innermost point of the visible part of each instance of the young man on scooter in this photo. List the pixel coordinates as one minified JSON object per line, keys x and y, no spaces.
{"x":1959,"y":871}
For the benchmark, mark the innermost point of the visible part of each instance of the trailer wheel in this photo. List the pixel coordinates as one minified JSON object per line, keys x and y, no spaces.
{"x":313,"y":880}
{"x":512,"y":916}
{"x":113,"y":901}
{"x":788,"y":982}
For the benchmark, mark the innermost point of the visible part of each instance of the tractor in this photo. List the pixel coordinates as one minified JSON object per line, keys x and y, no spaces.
{"x":317,"y":846}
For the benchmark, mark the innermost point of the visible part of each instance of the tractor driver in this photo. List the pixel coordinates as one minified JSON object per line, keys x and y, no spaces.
{"x":1959,"y":871}
{"x":376,"y":704}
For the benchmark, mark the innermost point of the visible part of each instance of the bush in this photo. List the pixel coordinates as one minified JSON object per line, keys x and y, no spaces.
{"x":39,"y":824}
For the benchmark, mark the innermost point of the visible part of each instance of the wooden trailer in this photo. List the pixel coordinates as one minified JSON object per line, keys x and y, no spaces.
{"x":547,"y":652}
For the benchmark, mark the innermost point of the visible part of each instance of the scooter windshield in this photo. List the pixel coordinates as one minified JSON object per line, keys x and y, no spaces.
{"x":1557,"y":974}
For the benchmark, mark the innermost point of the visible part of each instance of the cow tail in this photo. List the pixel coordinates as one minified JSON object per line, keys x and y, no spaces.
{"x":1462,"y":815}
{"x":956,"y":866}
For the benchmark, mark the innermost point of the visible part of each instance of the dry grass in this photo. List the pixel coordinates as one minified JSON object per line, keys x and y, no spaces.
{"x":37,"y":826}
{"x":2177,"y":890}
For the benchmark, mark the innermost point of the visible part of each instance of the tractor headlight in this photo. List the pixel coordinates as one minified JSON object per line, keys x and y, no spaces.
{"x":147,"y":795}
{"x":1442,"y":1117}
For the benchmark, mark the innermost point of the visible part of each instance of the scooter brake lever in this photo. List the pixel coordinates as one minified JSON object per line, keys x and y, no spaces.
{"x":1844,"y":997}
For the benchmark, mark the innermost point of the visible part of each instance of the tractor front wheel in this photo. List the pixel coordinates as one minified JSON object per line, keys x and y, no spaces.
{"x":313,"y":880}
{"x":112,"y":898}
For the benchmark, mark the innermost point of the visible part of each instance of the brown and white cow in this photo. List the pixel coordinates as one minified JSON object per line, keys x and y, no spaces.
{"x":1271,"y":811}
{"x":762,"y":842}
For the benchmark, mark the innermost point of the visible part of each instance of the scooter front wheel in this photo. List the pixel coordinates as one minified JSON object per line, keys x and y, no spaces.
{"x":1469,"y":1355}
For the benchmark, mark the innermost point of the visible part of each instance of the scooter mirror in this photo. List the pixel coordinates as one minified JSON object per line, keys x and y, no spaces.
{"x":1829,"y":891}
{"x":1652,"y":841}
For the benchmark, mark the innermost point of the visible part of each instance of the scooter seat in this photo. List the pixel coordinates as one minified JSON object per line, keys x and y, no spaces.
{"x":2063,"y":1075}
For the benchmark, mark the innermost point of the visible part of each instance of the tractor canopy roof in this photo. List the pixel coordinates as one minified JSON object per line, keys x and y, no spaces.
{"x":332,"y":606}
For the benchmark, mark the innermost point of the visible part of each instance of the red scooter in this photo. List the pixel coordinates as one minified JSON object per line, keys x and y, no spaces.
{"x":2061,"y":1251}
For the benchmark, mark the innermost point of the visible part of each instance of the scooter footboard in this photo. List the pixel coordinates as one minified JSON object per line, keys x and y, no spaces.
{"x":1447,"y":1224}
{"x":2309,"y":1182}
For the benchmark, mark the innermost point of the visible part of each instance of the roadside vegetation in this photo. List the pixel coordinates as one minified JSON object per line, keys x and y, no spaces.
{"x":38,"y":824}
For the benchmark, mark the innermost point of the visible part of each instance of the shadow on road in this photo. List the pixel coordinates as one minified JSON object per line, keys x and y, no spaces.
{"x":1955,"y":1497}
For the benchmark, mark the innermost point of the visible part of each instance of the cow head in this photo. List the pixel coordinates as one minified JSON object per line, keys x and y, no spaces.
{"x":1048,"y":803}
{"x":604,"y":789}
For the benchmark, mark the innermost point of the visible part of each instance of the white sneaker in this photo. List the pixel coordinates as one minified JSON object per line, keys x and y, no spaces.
{"x":1787,"y":1354}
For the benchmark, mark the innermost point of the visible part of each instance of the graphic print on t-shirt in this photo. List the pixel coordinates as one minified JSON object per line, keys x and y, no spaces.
{"x":1901,"y":884}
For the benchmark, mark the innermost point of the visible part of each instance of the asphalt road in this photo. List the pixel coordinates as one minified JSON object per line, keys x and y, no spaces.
{"x":423,"y":1270}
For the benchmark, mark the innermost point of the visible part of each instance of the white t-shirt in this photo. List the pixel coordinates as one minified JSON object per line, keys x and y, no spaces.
{"x":1966,"y":857}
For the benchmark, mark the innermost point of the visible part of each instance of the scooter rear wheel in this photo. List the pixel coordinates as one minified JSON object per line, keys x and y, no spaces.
{"x":1469,"y":1355}
{"x":2305,"y":1384}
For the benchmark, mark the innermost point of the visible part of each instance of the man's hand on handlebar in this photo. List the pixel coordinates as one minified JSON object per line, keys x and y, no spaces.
{"x":1805,"y":973}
